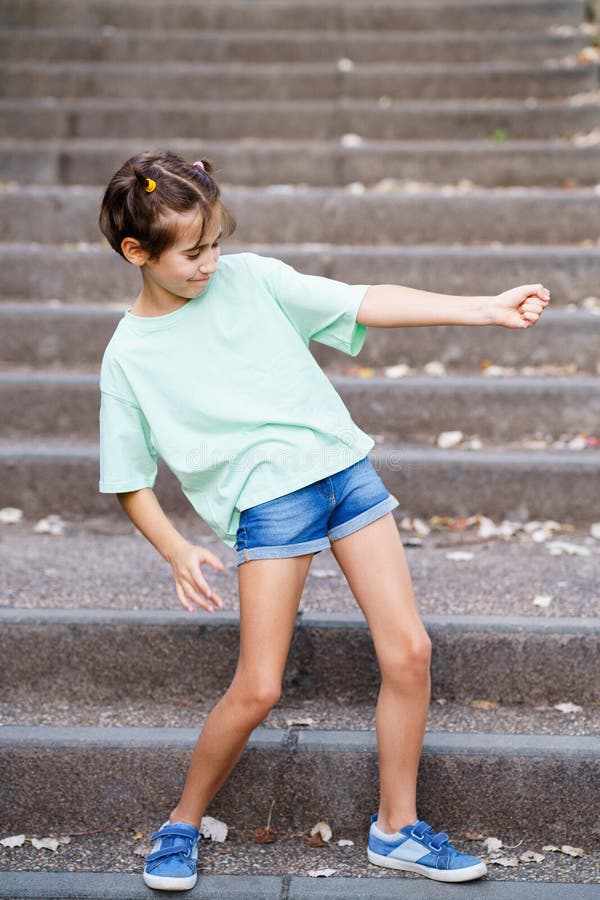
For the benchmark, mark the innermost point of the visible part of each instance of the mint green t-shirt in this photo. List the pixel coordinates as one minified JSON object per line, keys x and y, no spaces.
{"x":225,"y":390}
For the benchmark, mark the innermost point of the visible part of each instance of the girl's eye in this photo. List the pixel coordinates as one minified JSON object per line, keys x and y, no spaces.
{"x":197,"y":254}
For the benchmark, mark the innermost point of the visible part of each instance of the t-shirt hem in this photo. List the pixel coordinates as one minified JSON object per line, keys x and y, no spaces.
{"x":300,"y":481}
{"x":114,"y":487}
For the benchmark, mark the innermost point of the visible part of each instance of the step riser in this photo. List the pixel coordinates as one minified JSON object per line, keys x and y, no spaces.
{"x":270,"y":47}
{"x":75,"y":337}
{"x":516,"y":486}
{"x":511,"y":16}
{"x":320,"y":164}
{"x":105,"y":777}
{"x":514,"y":661}
{"x":322,"y":121}
{"x":100,"y":276}
{"x":137,"y":82}
{"x":404,"y":409}
{"x":56,"y":216}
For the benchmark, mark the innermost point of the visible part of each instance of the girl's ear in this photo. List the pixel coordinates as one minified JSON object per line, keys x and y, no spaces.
{"x":132,"y":251}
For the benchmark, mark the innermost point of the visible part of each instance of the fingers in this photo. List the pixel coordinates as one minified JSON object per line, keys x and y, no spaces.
{"x":199,"y":592}
{"x":191,"y":586}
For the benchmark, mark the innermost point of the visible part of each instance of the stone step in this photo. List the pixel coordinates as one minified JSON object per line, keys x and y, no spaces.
{"x":432,"y":119}
{"x":510,"y":410}
{"x":110,"y":44}
{"x":385,"y":15}
{"x":287,"y":857}
{"x":58,"y":337}
{"x":120,"y":570}
{"x":546,"y":163}
{"x":50,"y":474}
{"x":296,"y":81}
{"x":56,"y":214}
{"x":81,"y":273}
{"x":105,"y":776}
{"x":122,"y":659}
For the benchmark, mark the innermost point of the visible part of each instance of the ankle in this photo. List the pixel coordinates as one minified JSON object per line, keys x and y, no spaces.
{"x":392,"y":824}
{"x":176,"y":816}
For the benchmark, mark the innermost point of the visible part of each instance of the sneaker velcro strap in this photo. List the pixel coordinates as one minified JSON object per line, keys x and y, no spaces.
{"x":166,"y":851}
{"x":172,"y":831}
{"x":440,"y":838}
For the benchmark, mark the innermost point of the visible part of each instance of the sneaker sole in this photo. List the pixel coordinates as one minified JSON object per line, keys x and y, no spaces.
{"x":465,"y":874}
{"x":166,"y":883}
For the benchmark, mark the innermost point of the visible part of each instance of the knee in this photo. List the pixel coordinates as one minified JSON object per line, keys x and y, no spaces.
{"x":408,"y":662}
{"x":257,"y":698}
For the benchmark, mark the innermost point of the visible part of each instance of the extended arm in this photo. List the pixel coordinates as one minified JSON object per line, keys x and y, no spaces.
{"x":395,"y":306}
{"x":148,"y":516}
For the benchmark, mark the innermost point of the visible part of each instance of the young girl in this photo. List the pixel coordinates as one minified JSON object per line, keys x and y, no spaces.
{"x":210,"y":369}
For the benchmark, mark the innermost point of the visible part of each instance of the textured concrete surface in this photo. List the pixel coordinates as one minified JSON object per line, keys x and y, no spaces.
{"x":91,"y":274}
{"x":117,"y":568}
{"x":123,"y":656}
{"x":320,"y":163}
{"x":55,"y":215}
{"x":58,"y":337}
{"x":138,"y":44}
{"x":417,"y":408}
{"x":91,"y":776}
{"x":498,"y":482}
{"x":376,"y":885}
{"x":331,"y":15}
{"x":30,"y":118}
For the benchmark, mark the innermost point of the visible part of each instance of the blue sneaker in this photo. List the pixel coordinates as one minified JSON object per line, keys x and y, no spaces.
{"x":171,"y":866}
{"x":417,"y":848}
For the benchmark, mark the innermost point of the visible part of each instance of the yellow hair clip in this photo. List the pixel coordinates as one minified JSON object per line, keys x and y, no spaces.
{"x":150,"y":185}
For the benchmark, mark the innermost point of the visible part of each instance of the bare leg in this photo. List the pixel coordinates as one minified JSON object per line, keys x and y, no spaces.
{"x":270,"y":591}
{"x":373,"y":561}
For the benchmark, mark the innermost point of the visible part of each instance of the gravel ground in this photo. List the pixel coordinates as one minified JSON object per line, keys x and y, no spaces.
{"x":115,"y":851}
{"x":104,"y":562}
{"x":334,"y":714}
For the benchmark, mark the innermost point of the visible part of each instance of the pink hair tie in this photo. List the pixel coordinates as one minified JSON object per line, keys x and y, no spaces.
{"x":199,"y":165}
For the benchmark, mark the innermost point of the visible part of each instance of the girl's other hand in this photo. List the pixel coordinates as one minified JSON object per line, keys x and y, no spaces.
{"x":190,"y":583}
{"x":519,"y":307}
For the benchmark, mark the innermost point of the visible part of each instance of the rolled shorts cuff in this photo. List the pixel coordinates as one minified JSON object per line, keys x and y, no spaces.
{"x":244,"y":555}
{"x":364,"y":518}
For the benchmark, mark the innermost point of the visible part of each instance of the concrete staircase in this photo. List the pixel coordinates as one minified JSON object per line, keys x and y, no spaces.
{"x":452,"y":146}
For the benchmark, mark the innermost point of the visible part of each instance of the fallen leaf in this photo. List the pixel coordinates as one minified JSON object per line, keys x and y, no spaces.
{"x":543,"y":600}
{"x":266,"y":834}
{"x":484,"y":704}
{"x":15,"y":840}
{"x":10,"y":515}
{"x":52,"y":524}
{"x":530,"y":856}
{"x":213,"y":828}
{"x":511,"y":861}
{"x":473,"y":835}
{"x":296,"y":720}
{"x":321,"y":873}
{"x":557,"y":548}
{"x":344,"y":842}
{"x":322,"y":828}
{"x":571,"y":851}
{"x":492,"y":844}
{"x":459,"y":555}
{"x":45,"y":843}
{"x":345,"y":65}
{"x":568,"y":707}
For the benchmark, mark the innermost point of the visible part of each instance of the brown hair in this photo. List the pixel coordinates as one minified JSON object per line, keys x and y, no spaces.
{"x":129,"y":210}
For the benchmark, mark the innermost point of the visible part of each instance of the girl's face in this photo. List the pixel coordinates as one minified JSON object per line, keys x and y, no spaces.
{"x":185,"y":269}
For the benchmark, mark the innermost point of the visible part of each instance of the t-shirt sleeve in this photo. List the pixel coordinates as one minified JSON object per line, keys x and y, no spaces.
{"x":320,"y":309}
{"x":127,"y":455}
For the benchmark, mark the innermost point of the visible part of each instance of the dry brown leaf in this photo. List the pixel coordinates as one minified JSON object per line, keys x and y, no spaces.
{"x":265,"y":834}
{"x":484,"y":704}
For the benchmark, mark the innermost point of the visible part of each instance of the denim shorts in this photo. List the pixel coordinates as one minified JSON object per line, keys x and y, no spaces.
{"x":307,"y":520}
